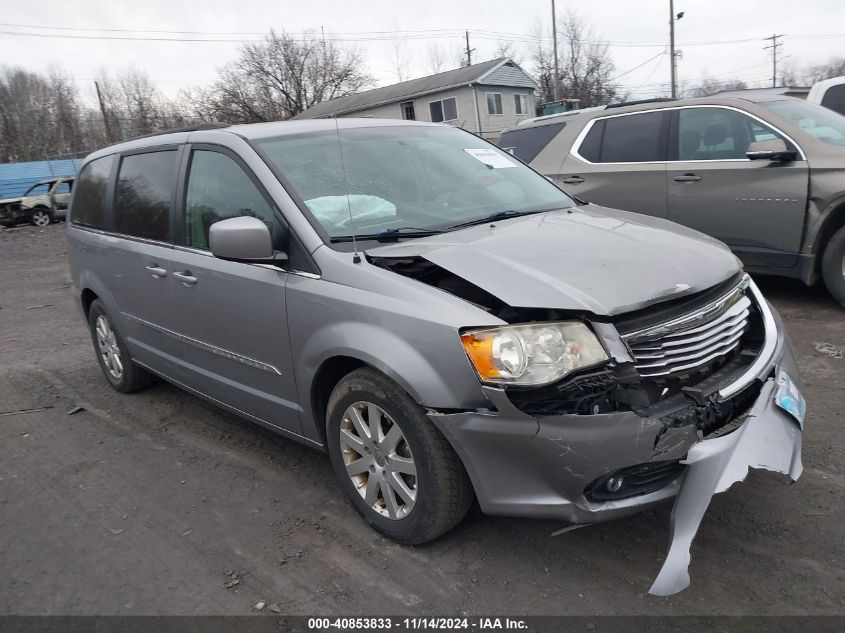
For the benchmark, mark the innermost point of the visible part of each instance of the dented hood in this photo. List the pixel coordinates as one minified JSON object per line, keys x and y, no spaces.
{"x":588,"y":258}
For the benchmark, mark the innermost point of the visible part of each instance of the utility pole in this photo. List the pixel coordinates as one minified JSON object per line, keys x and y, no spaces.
{"x":673,"y":56}
{"x":469,"y":51}
{"x":106,"y":122}
{"x":672,"y":47}
{"x":774,"y":47}
{"x":556,"y":82}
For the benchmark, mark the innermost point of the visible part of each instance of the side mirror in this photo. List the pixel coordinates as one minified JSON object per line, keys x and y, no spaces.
{"x":243,"y":239}
{"x":774,"y":149}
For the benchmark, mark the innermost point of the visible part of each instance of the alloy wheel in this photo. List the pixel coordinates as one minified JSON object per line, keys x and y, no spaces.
{"x":109,"y":349}
{"x":378,"y":459}
{"x":40,"y":218}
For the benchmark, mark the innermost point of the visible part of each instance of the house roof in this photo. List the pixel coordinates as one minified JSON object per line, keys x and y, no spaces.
{"x":477,"y":73}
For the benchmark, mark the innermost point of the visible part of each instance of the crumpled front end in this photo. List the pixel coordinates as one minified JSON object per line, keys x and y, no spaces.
{"x":684,"y":408}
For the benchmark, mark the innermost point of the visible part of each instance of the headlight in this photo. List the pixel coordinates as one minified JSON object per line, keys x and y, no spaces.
{"x":532,"y":354}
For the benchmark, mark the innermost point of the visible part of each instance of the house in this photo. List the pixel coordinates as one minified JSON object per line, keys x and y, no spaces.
{"x":483,"y":98}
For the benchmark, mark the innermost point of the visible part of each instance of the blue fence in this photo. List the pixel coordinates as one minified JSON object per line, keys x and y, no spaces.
{"x":15,"y":178}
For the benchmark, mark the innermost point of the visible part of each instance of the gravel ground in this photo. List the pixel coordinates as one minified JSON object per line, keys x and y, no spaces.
{"x":156,"y":503}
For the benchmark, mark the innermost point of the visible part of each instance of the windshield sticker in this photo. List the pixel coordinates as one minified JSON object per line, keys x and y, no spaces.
{"x":491,"y":158}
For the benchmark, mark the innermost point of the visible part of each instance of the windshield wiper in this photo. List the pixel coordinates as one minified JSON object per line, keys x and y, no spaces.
{"x":388,"y":235}
{"x":499,"y":215}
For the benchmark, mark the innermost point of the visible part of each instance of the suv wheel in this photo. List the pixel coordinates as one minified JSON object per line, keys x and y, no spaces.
{"x":41,"y":217}
{"x":122,"y":374}
{"x":833,"y":266}
{"x":396,"y":468}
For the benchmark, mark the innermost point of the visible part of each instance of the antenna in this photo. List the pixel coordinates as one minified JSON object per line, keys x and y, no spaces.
{"x":356,"y":258}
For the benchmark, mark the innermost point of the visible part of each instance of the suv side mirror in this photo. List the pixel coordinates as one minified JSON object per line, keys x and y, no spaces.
{"x":774,"y":149}
{"x":243,"y":239}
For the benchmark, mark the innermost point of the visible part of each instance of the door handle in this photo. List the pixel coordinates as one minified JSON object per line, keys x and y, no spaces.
{"x":573,"y":180}
{"x":157,"y":271}
{"x":687,"y":178}
{"x":186,"y":278}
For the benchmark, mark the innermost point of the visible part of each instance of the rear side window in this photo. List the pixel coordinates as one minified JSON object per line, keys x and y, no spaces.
{"x":219,"y":189}
{"x":89,"y":199}
{"x":525,"y":143}
{"x":834,"y":98}
{"x":144,"y":194}
{"x":633,"y":138}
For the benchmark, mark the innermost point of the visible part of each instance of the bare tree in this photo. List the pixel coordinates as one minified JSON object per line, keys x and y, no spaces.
{"x":508,"y":49}
{"x":435,"y":57}
{"x":794,"y":75}
{"x":586,"y":69}
{"x":710,"y":85}
{"x":39,"y":115}
{"x":399,"y":53}
{"x":279,"y":78}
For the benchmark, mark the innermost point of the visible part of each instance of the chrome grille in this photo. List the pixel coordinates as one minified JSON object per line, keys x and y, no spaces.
{"x":689,"y":343}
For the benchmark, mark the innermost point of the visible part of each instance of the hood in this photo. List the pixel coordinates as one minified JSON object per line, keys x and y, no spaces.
{"x":10,"y":200}
{"x":589,"y":258}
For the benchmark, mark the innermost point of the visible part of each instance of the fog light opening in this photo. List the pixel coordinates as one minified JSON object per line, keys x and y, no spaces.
{"x":614,"y":484}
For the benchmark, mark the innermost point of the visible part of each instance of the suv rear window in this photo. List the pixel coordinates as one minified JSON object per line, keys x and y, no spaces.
{"x":632,"y":138}
{"x":526,"y":142}
{"x":89,"y":197}
{"x":144,"y":194}
{"x":834,"y":98}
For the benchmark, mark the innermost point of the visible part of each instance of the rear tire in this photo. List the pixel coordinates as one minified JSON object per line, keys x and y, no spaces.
{"x":407,"y":508}
{"x":123,"y":375}
{"x":833,"y":266}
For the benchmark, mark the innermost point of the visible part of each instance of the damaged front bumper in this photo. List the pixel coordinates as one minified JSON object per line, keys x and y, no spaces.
{"x":546,"y":466}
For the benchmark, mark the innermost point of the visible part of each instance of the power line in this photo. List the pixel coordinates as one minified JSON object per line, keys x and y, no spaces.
{"x":661,"y":53}
{"x":349,"y":36}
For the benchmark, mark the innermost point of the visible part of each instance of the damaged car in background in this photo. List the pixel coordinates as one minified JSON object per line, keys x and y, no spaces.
{"x":442,"y":320}
{"x":44,"y":202}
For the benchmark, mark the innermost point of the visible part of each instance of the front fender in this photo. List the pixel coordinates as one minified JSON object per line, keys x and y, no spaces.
{"x":387,"y":352}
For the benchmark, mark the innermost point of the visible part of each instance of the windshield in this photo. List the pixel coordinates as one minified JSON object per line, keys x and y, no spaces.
{"x":39,"y":189}
{"x":815,"y":120}
{"x":405,"y":177}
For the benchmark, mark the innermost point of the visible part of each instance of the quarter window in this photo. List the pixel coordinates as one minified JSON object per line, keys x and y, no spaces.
{"x":443,"y":110}
{"x":718,"y":134}
{"x":633,"y":138}
{"x":218,"y":189}
{"x":89,"y":199}
{"x":520,"y":104}
{"x":144,"y":193}
{"x":494,"y":103}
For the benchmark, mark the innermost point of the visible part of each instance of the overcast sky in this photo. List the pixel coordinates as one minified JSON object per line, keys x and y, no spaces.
{"x":624,"y":23}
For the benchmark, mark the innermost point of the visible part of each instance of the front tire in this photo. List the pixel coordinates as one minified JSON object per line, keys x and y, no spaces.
{"x":123,"y":375}
{"x":395,"y":467}
{"x":40,"y":217}
{"x":833,"y":266}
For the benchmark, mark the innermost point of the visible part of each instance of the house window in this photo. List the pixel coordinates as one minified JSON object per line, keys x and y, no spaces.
{"x":443,"y":110}
{"x":408,"y":111}
{"x":520,"y":103}
{"x":494,"y":103}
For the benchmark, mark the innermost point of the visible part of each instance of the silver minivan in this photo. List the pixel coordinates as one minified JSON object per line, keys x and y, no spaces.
{"x":442,"y":320}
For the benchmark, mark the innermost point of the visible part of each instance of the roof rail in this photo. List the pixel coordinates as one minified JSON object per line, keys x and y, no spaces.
{"x":196,"y":127}
{"x":638,"y":102}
